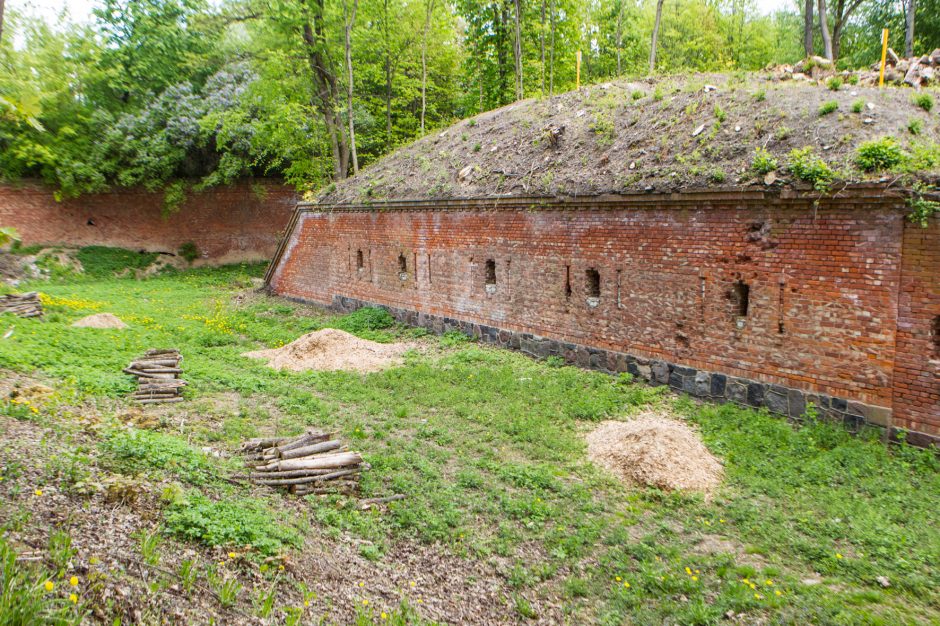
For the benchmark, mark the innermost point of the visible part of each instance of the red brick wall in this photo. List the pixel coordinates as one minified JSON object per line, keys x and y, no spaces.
{"x":823,"y":281}
{"x":917,"y":366}
{"x":235,"y":223}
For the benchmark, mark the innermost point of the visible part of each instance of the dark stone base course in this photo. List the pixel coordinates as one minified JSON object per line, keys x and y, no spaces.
{"x":712,"y":386}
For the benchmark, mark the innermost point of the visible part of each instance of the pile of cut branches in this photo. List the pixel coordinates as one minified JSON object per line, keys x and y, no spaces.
{"x":312,"y":463}
{"x":21,"y":305}
{"x":158,"y":377}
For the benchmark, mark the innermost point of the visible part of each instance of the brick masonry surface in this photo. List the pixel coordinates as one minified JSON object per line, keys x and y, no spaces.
{"x":761,"y":299}
{"x":241,"y":222}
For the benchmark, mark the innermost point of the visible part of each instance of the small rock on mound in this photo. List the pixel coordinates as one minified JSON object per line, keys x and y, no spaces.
{"x":332,"y":349}
{"x":656,"y":451}
{"x":100,"y":320}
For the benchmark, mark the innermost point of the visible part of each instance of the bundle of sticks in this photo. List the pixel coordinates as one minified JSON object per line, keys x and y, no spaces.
{"x":312,"y":463}
{"x":158,"y":377}
{"x":22,"y":305}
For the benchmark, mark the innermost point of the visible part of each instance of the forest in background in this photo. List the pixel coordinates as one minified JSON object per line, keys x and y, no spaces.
{"x":186,"y":94}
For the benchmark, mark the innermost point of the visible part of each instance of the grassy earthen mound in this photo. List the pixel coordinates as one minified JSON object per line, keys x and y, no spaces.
{"x":100,"y":320}
{"x":654,"y":450}
{"x":332,"y":349}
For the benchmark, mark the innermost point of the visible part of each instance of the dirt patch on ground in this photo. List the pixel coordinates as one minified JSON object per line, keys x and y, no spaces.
{"x":100,"y":320}
{"x":331,"y":349}
{"x":655,"y":450}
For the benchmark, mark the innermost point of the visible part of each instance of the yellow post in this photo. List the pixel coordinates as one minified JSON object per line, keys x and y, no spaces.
{"x":577,"y":74}
{"x":884,"y":55}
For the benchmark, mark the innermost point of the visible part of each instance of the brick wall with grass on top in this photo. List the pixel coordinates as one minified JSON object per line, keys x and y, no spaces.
{"x":240,"y":222}
{"x":765,"y":288}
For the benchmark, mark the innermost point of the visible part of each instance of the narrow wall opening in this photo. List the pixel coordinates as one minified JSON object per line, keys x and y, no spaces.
{"x":402,"y":267}
{"x":935,"y":331}
{"x":593,"y":286}
{"x":490,"y":276}
{"x":568,"y":281}
{"x":740,"y":298}
{"x":360,"y":260}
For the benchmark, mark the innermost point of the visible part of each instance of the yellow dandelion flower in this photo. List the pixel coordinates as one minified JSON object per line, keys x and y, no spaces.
{"x":769,"y":583}
{"x":384,"y":615}
{"x":618,"y":579}
{"x":73,"y":581}
{"x":362,"y":584}
{"x":626,"y":585}
{"x":34,"y":409}
{"x":758,"y":596}
{"x":49,"y":586}
{"x":697,"y":572}
{"x":365,"y":603}
{"x":418,"y":600}
{"x":695,"y":578}
{"x":280,"y":568}
{"x":688,"y":571}
{"x":838,"y":556}
{"x":232,"y":555}
{"x":306,"y":603}
{"x":777,"y":592}
{"x":412,"y":583}
{"x":38,"y":492}
{"x":752,"y":585}
{"x":73,"y":598}
{"x":721,"y":521}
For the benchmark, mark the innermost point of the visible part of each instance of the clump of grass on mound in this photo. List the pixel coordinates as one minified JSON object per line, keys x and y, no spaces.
{"x":880,"y":154}
{"x":103,"y":262}
{"x":136,"y":451}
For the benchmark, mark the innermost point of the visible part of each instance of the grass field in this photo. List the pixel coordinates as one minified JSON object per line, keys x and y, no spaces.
{"x":505,"y":520}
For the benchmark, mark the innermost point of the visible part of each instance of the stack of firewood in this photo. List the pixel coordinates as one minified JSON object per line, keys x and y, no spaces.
{"x":22,"y":305}
{"x":158,"y":377}
{"x":312,"y":463}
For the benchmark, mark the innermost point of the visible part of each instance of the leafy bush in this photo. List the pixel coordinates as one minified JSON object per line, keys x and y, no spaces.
{"x":763,"y":162}
{"x":923,"y":100}
{"x":189,"y":251}
{"x":834,"y":83}
{"x":720,"y":113}
{"x":922,"y":209}
{"x":879,"y":154}
{"x":103,"y":262}
{"x":365,"y":319}
{"x":637,"y":94}
{"x":858,"y":106}
{"x":828,"y":107}
{"x":809,"y":168}
{"x":137,"y":451}
{"x":915,"y":126}
{"x":238,"y":522}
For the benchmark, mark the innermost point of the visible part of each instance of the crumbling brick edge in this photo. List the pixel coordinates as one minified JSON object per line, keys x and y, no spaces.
{"x":711,"y":386}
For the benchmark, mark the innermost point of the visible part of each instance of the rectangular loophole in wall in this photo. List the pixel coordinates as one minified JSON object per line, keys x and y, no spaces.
{"x":490,"y":272}
{"x":360,"y":260}
{"x":568,"y":281}
{"x":593,"y":283}
{"x":402,"y":267}
{"x":740,"y":298}
{"x":935,"y":331}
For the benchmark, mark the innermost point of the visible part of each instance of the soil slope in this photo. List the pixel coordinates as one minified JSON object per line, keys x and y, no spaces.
{"x":661,"y":135}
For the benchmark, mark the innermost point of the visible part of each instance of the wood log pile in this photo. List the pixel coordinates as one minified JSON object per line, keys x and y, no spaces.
{"x":313,"y":463}
{"x":158,"y":377}
{"x":22,"y":305}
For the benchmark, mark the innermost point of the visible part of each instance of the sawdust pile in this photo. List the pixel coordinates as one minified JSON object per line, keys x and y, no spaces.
{"x":655,"y":450}
{"x":100,"y":320}
{"x":332,"y":349}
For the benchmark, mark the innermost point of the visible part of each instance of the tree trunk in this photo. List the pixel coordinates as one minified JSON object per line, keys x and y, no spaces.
{"x":619,"y":36}
{"x":424,"y":61}
{"x":824,"y":29}
{"x":1,"y":20}
{"x":350,"y":20}
{"x":551,"y":51}
{"x":542,"y":45}
{"x":808,"y":28}
{"x":326,"y":95}
{"x":910,"y":8}
{"x":388,"y":81}
{"x":659,"y":17}
{"x":499,"y":25}
{"x":517,"y":50}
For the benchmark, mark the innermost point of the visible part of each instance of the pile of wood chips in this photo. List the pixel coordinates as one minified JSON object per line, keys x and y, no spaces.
{"x":21,"y":305}
{"x":312,"y":463}
{"x":158,"y":377}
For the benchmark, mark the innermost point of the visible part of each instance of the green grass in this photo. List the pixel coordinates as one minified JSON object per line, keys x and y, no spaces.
{"x":488,"y":447}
